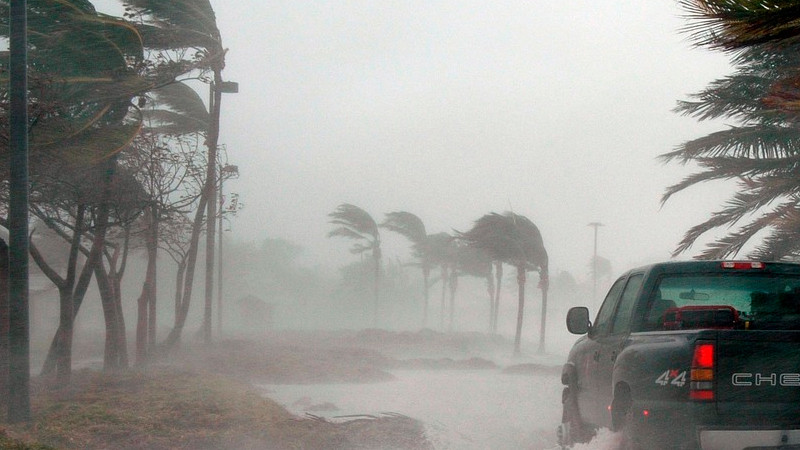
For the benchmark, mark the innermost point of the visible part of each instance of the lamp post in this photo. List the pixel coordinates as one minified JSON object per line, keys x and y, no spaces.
{"x":226,"y":171}
{"x":216,"y":89}
{"x":594,"y":225}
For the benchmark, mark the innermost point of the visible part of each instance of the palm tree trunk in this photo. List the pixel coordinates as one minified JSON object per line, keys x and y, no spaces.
{"x":426,"y":275}
{"x":444,"y":296}
{"x":544,"y":285}
{"x":453,"y":288}
{"x":490,"y":290}
{"x":376,"y":254}
{"x":520,"y":308}
{"x":499,"y":277}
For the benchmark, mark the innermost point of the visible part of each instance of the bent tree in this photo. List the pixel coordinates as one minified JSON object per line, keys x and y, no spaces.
{"x":354,"y":223}
{"x":513,"y":239}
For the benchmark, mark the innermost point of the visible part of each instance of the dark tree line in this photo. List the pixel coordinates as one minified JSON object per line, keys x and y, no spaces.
{"x":123,"y":156}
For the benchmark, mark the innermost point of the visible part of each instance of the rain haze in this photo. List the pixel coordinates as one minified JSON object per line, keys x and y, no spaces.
{"x":449,"y":110}
{"x":556,"y":111}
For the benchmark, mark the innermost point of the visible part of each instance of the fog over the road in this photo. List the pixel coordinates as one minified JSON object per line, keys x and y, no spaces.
{"x":450,"y":110}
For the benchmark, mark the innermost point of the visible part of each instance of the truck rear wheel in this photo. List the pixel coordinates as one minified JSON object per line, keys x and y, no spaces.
{"x":622,"y":421}
{"x":572,"y":429}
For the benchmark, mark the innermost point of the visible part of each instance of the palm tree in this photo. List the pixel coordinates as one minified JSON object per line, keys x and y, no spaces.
{"x":177,"y":111}
{"x":759,"y":151}
{"x":193,"y":24}
{"x":513,"y":239}
{"x":412,"y":227}
{"x":355,"y":223}
{"x":473,"y":262}
{"x":441,"y":251}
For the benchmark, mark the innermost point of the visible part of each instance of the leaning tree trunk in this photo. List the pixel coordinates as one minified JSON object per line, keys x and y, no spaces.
{"x":67,"y":304}
{"x":426,"y":275}
{"x":179,"y":290}
{"x":376,"y":255}
{"x":445,"y":277}
{"x":490,"y":291}
{"x":544,"y":285}
{"x":152,"y":275}
{"x":191,"y":261}
{"x":499,"y":277}
{"x":142,"y":311}
{"x":114,"y":357}
{"x":453,"y":288}
{"x":520,"y":308}
{"x":145,"y":305}
{"x":50,"y":365}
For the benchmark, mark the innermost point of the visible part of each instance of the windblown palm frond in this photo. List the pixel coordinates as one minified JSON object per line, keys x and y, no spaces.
{"x":355,"y":223}
{"x":732,"y":25}
{"x":440,"y":248}
{"x":406,"y":224}
{"x":178,"y":110}
{"x":83,"y":68}
{"x":510,"y":238}
{"x":783,"y":242}
{"x":473,"y":261}
{"x":189,"y":22}
{"x":762,"y":150}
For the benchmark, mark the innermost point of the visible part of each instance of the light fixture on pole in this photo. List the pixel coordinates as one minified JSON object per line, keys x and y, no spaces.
{"x":594,"y":225}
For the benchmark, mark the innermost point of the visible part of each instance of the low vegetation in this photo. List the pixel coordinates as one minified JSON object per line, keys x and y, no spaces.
{"x":177,"y":408}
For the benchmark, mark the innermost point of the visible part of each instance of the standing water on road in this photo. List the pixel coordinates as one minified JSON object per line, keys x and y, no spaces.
{"x":475,"y":409}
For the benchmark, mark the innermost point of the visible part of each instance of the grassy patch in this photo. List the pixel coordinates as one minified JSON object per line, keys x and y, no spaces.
{"x":169,"y":408}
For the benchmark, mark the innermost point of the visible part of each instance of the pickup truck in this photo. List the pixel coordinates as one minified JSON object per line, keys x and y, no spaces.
{"x":689,"y":355}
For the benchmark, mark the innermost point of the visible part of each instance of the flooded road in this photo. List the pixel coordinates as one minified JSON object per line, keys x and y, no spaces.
{"x":480,"y":409}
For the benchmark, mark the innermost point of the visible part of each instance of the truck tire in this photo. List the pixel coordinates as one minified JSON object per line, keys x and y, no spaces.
{"x":629,"y":441}
{"x":572,"y":429}
{"x":623,"y":422}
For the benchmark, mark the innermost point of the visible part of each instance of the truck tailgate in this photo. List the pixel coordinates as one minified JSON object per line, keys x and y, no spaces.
{"x":758,"y":374}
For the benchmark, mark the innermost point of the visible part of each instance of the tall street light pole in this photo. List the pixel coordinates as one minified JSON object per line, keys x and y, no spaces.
{"x":225,"y":172}
{"x":594,"y":225}
{"x":217,"y":88}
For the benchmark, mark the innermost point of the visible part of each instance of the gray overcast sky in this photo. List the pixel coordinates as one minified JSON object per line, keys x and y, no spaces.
{"x":453,"y":109}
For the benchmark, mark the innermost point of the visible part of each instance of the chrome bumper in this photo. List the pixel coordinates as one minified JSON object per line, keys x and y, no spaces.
{"x":743,"y":439}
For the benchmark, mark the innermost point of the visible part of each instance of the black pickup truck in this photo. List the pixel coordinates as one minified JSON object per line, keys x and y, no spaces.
{"x":689,"y":355}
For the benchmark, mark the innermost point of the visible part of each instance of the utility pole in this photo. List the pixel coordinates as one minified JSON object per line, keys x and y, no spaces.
{"x":19,"y":405}
{"x":594,"y":225}
{"x":216,"y":89}
{"x":225,"y":172}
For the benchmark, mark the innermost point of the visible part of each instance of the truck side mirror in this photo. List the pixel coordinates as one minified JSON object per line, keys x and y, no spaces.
{"x":578,"y":320}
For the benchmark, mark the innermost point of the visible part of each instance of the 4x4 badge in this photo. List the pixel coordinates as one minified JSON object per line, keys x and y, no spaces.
{"x":673,"y":377}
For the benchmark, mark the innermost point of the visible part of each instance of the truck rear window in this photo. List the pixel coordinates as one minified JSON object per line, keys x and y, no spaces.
{"x":727,"y":300}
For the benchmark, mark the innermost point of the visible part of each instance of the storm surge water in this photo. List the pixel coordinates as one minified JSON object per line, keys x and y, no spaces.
{"x":462,"y":409}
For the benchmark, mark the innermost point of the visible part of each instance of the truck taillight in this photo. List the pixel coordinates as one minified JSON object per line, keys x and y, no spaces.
{"x":701,"y":380}
{"x":738,"y":265}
